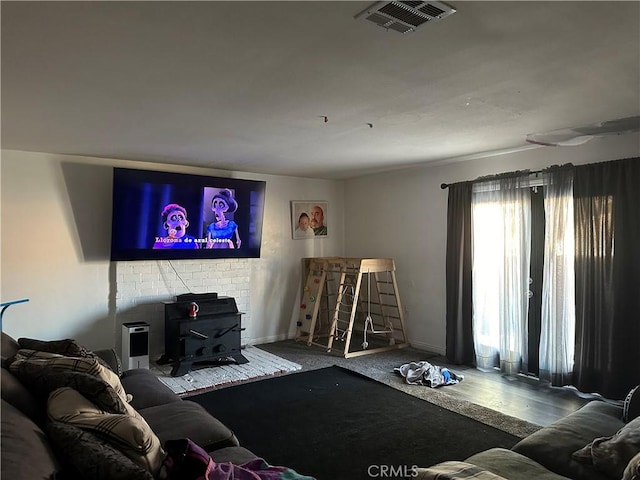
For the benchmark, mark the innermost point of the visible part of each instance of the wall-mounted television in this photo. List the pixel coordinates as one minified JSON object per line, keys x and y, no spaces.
{"x":172,"y":216}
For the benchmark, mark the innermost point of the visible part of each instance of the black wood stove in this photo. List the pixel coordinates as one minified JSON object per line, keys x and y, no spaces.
{"x":201,"y":329}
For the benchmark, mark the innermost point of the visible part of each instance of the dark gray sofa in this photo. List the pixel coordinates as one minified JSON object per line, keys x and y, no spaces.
{"x":548,"y":454}
{"x":28,"y":453}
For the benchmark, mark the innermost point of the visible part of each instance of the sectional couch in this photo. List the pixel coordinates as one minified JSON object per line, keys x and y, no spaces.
{"x":600,"y":441}
{"x":35,"y":448}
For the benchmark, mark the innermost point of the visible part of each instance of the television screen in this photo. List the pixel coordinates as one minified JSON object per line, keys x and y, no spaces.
{"x":163,"y":215}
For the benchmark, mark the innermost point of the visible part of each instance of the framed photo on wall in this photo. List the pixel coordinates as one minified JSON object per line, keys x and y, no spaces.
{"x":309,"y":219}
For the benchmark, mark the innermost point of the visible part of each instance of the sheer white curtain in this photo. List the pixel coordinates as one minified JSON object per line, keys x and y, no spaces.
{"x":557,"y":338}
{"x":501,"y":220}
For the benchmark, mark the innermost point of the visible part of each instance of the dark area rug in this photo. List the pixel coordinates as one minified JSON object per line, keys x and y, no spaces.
{"x":337,"y":424}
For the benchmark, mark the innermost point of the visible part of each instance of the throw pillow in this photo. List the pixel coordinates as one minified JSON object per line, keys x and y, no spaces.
{"x":610,"y":455}
{"x":632,"y":472}
{"x":631,"y":407}
{"x":92,"y":457}
{"x":41,"y":381}
{"x":128,"y":432}
{"x":30,"y":363}
{"x":66,"y":347}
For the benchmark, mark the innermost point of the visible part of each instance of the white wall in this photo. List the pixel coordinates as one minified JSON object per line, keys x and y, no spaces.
{"x":403,"y":214}
{"x":56,"y":230}
{"x":55,"y":234}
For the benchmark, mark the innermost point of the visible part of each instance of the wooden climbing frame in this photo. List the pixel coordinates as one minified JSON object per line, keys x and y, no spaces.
{"x":346,"y":296}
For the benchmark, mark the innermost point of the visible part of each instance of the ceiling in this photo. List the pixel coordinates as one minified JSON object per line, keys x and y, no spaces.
{"x":304,"y":88}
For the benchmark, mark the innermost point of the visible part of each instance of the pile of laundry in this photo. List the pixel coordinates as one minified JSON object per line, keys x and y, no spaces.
{"x":423,"y":373}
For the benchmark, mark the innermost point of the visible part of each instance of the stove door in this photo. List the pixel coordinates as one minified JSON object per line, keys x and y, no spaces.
{"x":210,"y":338}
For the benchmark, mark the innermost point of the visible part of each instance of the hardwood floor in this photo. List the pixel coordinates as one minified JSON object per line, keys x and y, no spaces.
{"x":518,"y":396}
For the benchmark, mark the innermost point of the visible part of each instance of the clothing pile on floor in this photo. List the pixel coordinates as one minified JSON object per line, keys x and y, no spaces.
{"x":423,"y":373}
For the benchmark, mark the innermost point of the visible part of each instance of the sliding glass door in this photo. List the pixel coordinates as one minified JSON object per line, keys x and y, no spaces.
{"x":501,"y":223}
{"x":523,"y":276}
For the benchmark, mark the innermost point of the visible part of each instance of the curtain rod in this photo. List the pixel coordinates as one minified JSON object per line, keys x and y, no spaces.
{"x":444,"y":186}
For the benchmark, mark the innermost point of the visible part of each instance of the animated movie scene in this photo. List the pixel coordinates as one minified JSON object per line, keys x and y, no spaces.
{"x":159,"y":215}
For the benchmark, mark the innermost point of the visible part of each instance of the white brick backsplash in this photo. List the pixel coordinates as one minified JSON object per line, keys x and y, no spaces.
{"x":143,"y":286}
{"x":131,"y":277}
{"x":195,"y":267}
{"x":149,"y":277}
{"x":128,"y":286}
{"x":142,"y":268}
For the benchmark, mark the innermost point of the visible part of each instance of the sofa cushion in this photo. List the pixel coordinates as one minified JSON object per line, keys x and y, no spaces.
{"x":610,"y":455}
{"x":146,"y":389}
{"x":14,"y":392}
{"x":188,"y":419}
{"x":8,"y":348}
{"x":91,"y":457}
{"x":452,"y":470}
{"x":512,"y":465}
{"x":32,"y":364}
{"x":553,"y":446}
{"x":26,"y":453}
{"x":631,"y":407}
{"x":128,"y":432}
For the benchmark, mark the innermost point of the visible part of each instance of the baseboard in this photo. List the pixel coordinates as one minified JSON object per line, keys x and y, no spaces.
{"x":427,"y":347}
{"x":271,"y":339}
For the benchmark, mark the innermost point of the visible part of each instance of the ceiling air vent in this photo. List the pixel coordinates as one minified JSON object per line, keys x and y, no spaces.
{"x":405,"y":17}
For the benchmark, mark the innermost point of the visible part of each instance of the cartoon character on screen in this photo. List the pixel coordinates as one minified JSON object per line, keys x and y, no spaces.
{"x":174,"y":220}
{"x":221,"y":231}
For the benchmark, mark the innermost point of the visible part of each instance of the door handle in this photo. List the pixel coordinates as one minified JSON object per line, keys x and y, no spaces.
{"x":198,"y":334}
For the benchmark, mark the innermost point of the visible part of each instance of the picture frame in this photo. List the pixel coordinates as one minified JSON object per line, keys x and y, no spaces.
{"x":307,"y":213}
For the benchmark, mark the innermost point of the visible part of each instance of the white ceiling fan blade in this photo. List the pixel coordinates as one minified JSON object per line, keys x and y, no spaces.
{"x":581,"y":135}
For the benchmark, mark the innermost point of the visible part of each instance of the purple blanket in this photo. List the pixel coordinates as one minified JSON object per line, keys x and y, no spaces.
{"x":187,"y":461}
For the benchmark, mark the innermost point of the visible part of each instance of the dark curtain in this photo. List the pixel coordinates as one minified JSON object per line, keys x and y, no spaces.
{"x":607,"y":229}
{"x":458,"y":276}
